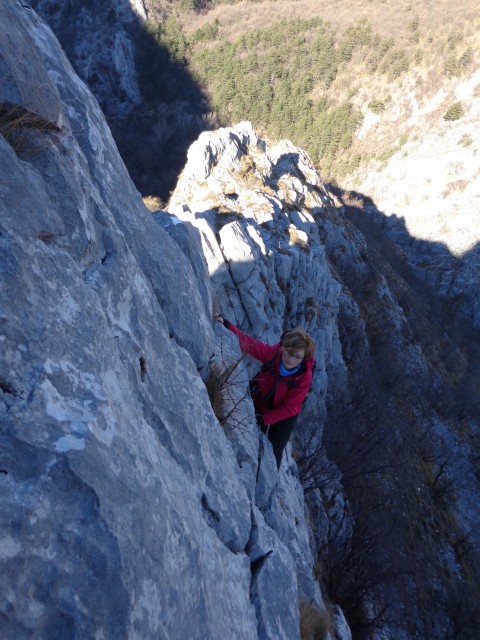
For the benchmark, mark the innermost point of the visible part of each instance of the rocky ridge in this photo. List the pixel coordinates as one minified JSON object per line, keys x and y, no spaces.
{"x":276,"y":248}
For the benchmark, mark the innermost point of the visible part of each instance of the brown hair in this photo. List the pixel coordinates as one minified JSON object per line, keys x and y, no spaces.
{"x":299,"y":339}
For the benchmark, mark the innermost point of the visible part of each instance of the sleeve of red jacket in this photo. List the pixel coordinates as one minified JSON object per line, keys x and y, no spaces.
{"x":292,"y":402}
{"x":258,"y":350}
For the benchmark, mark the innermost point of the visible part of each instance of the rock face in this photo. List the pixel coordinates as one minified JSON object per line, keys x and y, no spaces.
{"x":99,"y":40}
{"x":127,"y":510}
{"x":254,"y":244}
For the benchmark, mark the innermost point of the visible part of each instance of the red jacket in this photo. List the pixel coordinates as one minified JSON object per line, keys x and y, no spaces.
{"x":290,"y":391}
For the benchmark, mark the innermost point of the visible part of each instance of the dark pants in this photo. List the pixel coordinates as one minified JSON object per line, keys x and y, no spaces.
{"x":279,"y":434}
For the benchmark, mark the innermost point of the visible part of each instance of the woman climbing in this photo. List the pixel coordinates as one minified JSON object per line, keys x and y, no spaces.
{"x":282,"y":383}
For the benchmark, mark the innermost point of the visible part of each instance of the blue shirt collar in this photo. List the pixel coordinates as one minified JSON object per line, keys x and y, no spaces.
{"x":288,"y":372}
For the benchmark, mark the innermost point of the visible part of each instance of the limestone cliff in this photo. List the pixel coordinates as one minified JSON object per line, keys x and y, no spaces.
{"x":127,"y":512}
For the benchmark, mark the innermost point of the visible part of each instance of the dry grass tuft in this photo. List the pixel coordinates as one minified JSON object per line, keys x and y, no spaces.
{"x":20,"y":128}
{"x":154,"y":203}
{"x":298,"y":237}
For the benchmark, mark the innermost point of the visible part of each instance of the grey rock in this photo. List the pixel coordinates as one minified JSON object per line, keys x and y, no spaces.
{"x":123,"y":58}
{"x":276,"y":608}
{"x":28,"y":94}
{"x":128,"y":510}
{"x":266,"y":278}
{"x":252,"y":266}
{"x":99,"y":41}
{"x":267,"y":477}
{"x":342,"y":630}
{"x":188,"y":239}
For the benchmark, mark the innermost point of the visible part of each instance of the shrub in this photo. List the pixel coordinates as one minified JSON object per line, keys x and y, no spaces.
{"x":377,"y":106}
{"x":353,"y":199}
{"x":455,"y":66}
{"x":227,"y":391}
{"x":418,"y":57}
{"x":154,"y":203}
{"x":315,"y":624}
{"x":172,"y":38}
{"x":465,"y":59}
{"x":400,"y":65}
{"x":454,"y":112}
{"x":413,"y":27}
{"x":454,"y":39}
{"x":387,"y":153}
{"x":208,"y":32}
{"x":465,"y":140}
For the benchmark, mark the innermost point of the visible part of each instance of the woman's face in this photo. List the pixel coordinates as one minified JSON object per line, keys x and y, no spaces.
{"x":292,"y":357}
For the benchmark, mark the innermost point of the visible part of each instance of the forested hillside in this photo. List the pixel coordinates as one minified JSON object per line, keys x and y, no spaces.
{"x":345,"y":81}
{"x":314,"y":73}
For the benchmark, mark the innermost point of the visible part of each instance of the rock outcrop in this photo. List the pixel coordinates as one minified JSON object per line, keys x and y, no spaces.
{"x":280,"y":253}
